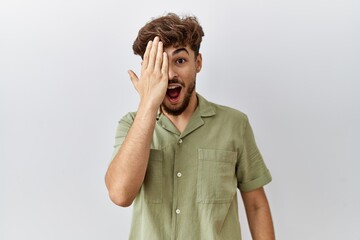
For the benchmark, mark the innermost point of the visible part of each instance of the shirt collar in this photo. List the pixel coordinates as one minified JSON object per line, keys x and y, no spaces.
{"x":206,"y":108}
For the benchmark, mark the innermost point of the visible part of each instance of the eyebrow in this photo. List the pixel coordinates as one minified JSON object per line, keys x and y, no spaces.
{"x":179,"y":50}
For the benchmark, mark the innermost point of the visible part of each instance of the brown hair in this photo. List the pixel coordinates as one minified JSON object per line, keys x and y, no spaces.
{"x":172,"y":30}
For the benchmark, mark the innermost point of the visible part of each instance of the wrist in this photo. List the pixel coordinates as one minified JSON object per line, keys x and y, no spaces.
{"x":148,"y":107}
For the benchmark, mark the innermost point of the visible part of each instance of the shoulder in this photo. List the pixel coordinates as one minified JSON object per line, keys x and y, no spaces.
{"x":209,"y":108}
{"x":127,"y":118}
{"x":229,"y":113}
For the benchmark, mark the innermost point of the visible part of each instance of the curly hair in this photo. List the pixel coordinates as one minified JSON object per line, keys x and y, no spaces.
{"x":172,"y":30}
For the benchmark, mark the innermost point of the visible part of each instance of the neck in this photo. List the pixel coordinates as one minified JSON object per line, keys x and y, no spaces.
{"x":181,"y":121}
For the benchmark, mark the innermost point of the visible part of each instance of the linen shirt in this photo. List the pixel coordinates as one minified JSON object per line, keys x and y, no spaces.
{"x":189,"y":190}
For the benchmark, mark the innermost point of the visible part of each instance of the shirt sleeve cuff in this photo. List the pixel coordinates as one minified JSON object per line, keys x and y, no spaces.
{"x":256,"y":183}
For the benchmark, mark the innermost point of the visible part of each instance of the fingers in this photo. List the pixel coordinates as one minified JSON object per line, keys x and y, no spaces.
{"x":165,"y":65}
{"x":153,"y":53}
{"x":159,"y":56}
{"x":146,"y":55}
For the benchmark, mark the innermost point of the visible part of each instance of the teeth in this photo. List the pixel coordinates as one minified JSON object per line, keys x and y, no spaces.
{"x":172,"y":87}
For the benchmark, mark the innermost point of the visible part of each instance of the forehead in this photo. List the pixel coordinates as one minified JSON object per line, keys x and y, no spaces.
{"x":176,"y":50}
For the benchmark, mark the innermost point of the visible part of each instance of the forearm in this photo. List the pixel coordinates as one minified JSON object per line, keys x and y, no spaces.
{"x":126,"y":172}
{"x":258,"y":214}
{"x":260,"y":223}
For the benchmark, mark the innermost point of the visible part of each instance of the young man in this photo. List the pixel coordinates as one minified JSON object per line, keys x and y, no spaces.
{"x":180,"y":158}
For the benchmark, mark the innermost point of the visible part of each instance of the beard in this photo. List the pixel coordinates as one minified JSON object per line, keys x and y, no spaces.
{"x":176,"y":111}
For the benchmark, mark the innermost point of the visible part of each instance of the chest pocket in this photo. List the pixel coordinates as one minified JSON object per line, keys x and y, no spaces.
{"x":152,"y":185}
{"x":216,"y":180}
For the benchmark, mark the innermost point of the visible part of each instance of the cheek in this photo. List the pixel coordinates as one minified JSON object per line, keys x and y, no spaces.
{"x":189,"y":73}
{"x":190,"y":77}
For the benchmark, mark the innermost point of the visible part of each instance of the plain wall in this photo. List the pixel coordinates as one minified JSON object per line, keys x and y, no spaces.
{"x":291,"y":66}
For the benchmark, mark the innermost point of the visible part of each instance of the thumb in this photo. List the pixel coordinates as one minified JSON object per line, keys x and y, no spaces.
{"x":134,"y":78}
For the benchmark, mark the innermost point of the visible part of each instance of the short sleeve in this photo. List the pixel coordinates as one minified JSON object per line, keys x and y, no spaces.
{"x":121,"y":131}
{"x":251,"y":171}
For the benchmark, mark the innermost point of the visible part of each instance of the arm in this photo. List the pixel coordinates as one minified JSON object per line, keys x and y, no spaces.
{"x":126,"y":172}
{"x":258,"y":214}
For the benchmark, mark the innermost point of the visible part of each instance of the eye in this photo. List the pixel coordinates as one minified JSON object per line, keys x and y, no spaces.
{"x":180,"y":60}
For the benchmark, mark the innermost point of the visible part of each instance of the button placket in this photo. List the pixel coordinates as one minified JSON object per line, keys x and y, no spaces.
{"x":177,"y":175}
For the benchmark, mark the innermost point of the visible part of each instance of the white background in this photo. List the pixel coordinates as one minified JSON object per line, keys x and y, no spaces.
{"x":292,"y":66}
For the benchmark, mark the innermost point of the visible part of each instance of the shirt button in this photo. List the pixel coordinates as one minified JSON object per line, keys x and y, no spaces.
{"x":180,"y":141}
{"x":179,"y":174}
{"x":177,"y":211}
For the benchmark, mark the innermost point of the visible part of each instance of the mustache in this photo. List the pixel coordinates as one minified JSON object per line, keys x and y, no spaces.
{"x":176,"y":81}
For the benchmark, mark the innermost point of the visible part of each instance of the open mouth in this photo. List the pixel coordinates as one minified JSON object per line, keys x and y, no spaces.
{"x":173,"y":92}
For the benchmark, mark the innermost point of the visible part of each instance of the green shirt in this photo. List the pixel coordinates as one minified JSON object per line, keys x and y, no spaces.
{"x":189,"y":191}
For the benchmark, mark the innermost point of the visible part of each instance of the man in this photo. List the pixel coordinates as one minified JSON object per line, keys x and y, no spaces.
{"x":180,"y":158}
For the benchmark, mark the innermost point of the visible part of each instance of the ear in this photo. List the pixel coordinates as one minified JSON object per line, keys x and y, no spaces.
{"x":198,"y":62}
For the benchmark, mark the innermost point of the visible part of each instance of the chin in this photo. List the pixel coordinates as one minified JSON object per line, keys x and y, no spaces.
{"x":174,"y":109}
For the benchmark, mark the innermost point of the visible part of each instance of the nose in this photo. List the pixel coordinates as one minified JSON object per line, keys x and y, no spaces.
{"x":172,"y":73}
